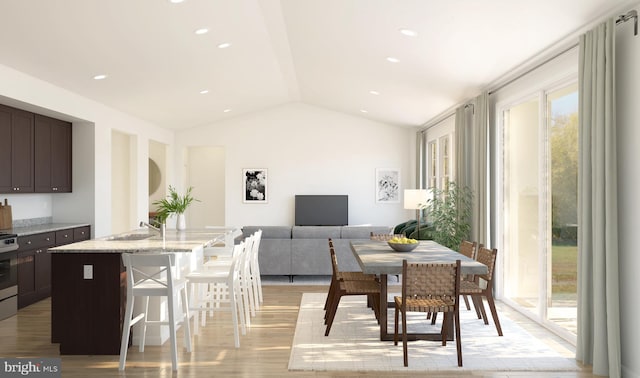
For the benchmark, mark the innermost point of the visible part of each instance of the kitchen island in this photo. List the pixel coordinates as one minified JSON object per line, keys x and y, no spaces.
{"x":89,"y":284}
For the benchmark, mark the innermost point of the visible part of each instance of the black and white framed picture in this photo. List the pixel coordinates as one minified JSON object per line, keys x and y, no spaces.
{"x":254,"y":185}
{"x":387,"y":185}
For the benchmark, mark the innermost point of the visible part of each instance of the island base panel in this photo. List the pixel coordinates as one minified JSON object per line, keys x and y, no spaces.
{"x":87,"y":313}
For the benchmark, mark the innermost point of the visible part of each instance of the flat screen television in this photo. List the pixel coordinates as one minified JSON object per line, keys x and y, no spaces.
{"x":322,"y":210}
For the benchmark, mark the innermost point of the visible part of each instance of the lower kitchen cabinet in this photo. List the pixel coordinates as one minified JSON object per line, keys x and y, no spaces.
{"x":34,"y":268}
{"x":34,"y":263}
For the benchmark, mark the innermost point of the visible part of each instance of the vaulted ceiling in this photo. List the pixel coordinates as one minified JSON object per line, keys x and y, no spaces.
{"x":333,"y":54}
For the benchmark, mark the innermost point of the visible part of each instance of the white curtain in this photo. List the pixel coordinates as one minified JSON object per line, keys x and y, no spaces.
{"x":471,"y":160}
{"x":598,"y":340}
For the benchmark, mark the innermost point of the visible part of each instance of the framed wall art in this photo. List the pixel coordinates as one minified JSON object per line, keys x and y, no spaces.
{"x":254,"y":185}
{"x":387,"y":185}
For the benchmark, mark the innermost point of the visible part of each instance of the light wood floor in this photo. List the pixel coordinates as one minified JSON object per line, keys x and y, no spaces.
{"x":263,"y":352}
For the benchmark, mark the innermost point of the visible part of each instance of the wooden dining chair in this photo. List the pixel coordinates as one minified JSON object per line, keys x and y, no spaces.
{"x":431,"y":288}
{"x":339,"y":275}
{"x":478,"y":289}
{"x":341,"y":286}
{"x":384,"y":237}
{"x":468,"y":249}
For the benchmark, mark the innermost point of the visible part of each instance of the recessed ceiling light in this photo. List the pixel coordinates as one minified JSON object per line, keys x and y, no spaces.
{"x":100,"y":77}
{"x":364,"y":111}
{"x":176,"y":1}
{"x":204,"y":91}
{"x":201,"y":31}
{"x":375,"y":93}
{"x":227,"y":110}
{"x":393,"y":59}
{"x":408,"y":32}
{"x":224,"y":45}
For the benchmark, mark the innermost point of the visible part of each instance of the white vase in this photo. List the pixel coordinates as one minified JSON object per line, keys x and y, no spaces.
{"x":181,"y":223}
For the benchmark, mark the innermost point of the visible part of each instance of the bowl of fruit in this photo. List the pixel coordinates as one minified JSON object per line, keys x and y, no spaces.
{"x":402,"y":244}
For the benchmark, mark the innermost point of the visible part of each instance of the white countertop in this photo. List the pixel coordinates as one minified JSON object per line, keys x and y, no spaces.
{"x":174,"y":241}
{"x":44,"y":227}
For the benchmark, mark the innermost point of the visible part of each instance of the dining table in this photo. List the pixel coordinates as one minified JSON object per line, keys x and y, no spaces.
{"x":377,"y":257}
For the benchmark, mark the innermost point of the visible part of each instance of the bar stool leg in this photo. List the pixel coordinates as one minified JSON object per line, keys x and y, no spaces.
{"x":143,"y":327}
{"x":126,"y":330}
{"x":185,"y":322}
{"x":172,"y":333}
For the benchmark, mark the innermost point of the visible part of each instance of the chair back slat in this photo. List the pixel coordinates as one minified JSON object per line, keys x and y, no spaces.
{"x":487,"y":257}
{"x":468,"y":249}
{"x":384,"y":237}
{"x":334,"y":259}
{"x":138,"y":274}
{"x":421,"y":280}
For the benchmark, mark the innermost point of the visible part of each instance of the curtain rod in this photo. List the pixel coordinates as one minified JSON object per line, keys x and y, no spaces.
{"x":549,"y":59}
{"x":632,"y":14}
{"x":626,"y":17}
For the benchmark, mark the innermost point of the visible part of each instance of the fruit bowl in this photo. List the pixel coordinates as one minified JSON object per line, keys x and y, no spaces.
{"x":403,"y":247}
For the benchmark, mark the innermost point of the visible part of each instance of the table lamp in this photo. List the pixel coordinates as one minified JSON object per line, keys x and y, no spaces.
{"x":417,"y":199}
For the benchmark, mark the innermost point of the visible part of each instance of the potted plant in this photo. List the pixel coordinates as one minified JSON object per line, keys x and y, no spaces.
{"x":450,"y":215}
{"x":174,"y":204}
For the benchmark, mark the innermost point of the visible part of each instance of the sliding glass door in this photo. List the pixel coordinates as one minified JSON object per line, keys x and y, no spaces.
{"x":539,"y":214}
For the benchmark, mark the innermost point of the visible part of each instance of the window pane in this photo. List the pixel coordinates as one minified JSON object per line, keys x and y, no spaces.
{"x":433,"y":163}
{"x":562,"y":108}
{"x":522,"y":198}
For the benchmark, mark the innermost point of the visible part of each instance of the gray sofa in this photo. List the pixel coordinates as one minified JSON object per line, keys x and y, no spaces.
{"x":304,"y":250}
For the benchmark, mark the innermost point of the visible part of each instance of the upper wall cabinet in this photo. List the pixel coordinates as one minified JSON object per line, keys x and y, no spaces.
{"x":16,"y":150}
{"x":52,"y":155}
{"x":35,"y":153}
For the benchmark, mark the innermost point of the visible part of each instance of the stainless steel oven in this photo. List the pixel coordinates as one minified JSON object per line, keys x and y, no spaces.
{"x":8,"y":275}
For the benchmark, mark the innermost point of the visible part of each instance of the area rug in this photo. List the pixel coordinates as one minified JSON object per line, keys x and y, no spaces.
{"x":354,"y":344}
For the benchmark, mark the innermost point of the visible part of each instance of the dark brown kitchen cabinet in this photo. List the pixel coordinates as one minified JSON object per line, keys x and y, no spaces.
{"x":52,"y":155}
{"x":34,"y":262}
{"x":34,"y":267}
{"x":87,"y":315}
{"x":16,"y":150}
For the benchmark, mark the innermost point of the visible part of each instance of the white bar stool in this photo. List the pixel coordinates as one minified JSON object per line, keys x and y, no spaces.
{"x":141,"y":283}
{"x":213,"y":286}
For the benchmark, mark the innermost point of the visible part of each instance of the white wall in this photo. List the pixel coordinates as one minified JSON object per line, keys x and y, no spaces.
{"x":93,"y":123}
{"x":308,"y":150}
{"x":120,"y":182}
{"x":205,"y":173}
{"x":628,"y":128}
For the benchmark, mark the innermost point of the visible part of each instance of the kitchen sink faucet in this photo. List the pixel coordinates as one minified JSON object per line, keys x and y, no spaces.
{"x":160,"y":229}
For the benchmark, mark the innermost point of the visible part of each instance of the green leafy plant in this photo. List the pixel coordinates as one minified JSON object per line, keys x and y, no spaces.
{"x":173,"y":204}
{"x":449,"y":213}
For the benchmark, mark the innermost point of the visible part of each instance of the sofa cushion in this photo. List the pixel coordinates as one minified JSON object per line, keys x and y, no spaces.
{"x":315,"y":232}
{"x":310,"y":256}
{"x":274,"y":256}
{"x":269,"y":232}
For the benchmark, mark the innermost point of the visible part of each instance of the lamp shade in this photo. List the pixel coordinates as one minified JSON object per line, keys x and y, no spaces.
{"x":416,"y":198}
